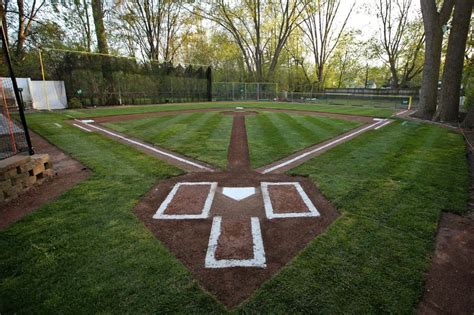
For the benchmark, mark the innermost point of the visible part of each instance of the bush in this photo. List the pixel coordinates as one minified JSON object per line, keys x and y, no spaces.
{"x":75,"y":103}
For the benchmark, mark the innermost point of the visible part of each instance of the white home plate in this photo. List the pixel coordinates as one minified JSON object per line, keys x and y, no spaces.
{"x":87,"y":121}
{"x":239,"y":108}
{"x":238,"y":193}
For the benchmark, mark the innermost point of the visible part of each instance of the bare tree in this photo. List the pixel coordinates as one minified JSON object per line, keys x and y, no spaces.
{"x":26,"y":16}
{"x":448,"y":109}
{"x":323,"y":33}
{"x":154,"y":25}
{"x":400,"y":40}
{"x":433,"y":21}
{"x":259,"y":28}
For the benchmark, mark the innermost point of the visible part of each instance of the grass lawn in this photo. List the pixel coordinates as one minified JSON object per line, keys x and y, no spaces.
{"x":124,"y":110}
{"x":86,"y":252}
{"x":391,"y":186}
{"x":273,"y":136}
{"x":202,"y":136}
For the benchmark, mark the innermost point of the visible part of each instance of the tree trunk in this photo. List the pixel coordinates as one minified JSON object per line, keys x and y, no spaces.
{"x":103,"y":47}
{"x":3,"y":16}
{"x":451,"y":82}
{"x":433,"y":22}
{"x":98,"y":14}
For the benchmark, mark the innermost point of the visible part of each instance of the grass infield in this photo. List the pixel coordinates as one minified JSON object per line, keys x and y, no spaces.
{"x":87,"y":251}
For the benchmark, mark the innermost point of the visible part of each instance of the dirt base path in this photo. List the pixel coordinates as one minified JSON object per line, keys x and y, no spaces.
{"x":69,"y":172}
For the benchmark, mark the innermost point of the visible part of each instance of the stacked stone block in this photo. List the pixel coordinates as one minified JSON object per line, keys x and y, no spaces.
{"x":20,"y":172}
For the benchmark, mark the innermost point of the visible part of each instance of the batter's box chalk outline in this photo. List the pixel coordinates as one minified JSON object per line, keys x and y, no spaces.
{"x":204,"y":212}
{"x":258,"y":259}
{"x":313,"y":212}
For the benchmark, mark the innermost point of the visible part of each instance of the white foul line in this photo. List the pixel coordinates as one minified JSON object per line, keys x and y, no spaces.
{"x":147,"y":147}
{"x":83,"y":128}
{"x":258,"y":259}
{"x":303,"y":155}
{"x":401,"y":113}
{"x":312,"y":211}
{"x":205,"y":209}
{"x":382,"y":125}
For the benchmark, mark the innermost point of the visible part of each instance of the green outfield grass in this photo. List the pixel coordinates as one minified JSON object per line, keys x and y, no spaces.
{"x":86,"y":252}
{"x":202,"y":136}
{"x":124,"y":110}
{"x":205,"y":136}
{"x":273,"y":136}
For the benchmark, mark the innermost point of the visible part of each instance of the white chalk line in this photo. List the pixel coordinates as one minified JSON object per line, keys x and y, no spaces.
{"x":382,"y":125}
{"x":402,"y":112}
{"x":83,"y":128}
{"x":269,"y":211}
{"x":204,"y":212}
{"x":303,"y":155}
{"x":258,"y":259}
{"x":147,"y":147}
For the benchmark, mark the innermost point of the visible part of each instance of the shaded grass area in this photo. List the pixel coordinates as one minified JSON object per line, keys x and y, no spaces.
{"x":391,"y":186}
{"x":273,"y":136}
{"x":202,"y":136}
{"x":125,"y":110}
{"x":86,"y":252}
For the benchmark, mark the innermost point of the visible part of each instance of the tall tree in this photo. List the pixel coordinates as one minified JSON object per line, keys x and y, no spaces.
{"x":98,"y":14}
{"x":260,"y":28}
{"x":154,"y":25}
{"x":323,"y":33}
{"x":400,"y":40}
{"x":26,"y":15}
{"x":3,"y":16}
{"x":433,"y":20}
{"x":448,"y":109}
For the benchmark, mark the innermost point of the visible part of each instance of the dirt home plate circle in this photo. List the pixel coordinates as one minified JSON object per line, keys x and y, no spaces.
{"x":234,"y":228}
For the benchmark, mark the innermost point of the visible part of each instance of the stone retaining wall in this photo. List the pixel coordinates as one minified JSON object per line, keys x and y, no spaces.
{"x":20,"y":172}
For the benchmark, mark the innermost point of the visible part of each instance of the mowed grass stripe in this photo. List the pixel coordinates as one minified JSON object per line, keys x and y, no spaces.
{"x":273,"y":136}
{"x":373,"y":259}
{"x":204,"y":135}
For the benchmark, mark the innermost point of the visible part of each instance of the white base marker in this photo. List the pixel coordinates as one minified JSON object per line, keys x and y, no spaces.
{"x":312,"y":211}
{"x":150,"y":148}
{"x":258,"y":259}
{"x":303,"y":155}
{"x":87,"y":121}
{"x":238,"y":193}
{"x":204,"y":212}
{"x":83,"y":128}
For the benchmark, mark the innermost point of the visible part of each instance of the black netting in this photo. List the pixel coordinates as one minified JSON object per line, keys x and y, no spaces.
{"x":12,"y":134}
{"x":93,"y":79}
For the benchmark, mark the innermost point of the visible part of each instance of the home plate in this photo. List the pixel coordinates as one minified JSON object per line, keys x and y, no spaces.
{"x":240,"y":108}
{"x":238,"y":193}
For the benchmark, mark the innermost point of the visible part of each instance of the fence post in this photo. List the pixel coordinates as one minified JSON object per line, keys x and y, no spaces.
{"x":209,"y":83}
{"x":21,"y":108}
